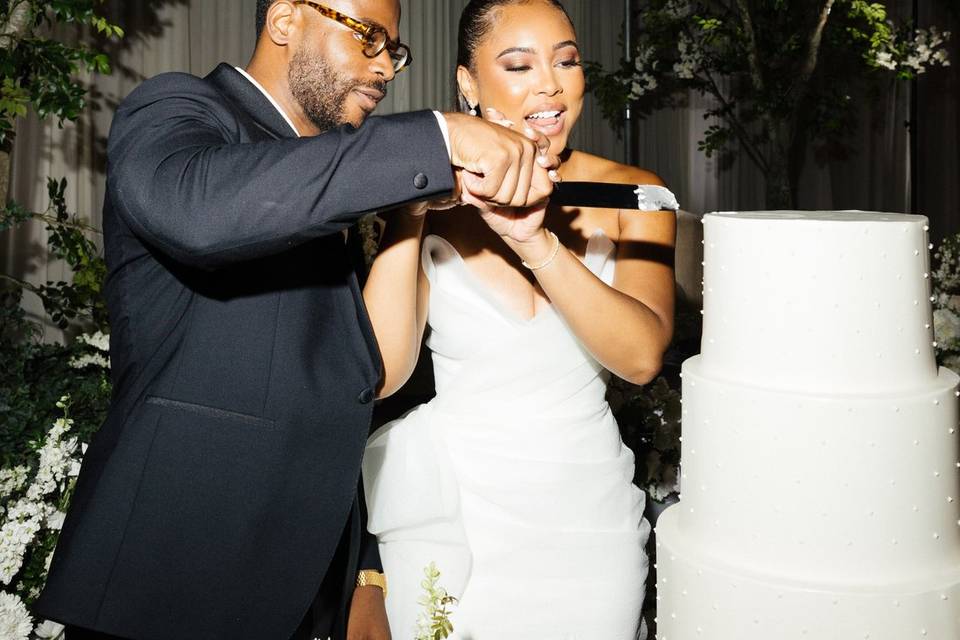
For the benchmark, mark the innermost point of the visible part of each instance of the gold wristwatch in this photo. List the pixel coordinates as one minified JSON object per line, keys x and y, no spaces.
{"x":368,"y":577}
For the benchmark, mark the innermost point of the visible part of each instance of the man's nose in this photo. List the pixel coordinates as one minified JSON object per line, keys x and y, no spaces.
{"x":382,"y":65}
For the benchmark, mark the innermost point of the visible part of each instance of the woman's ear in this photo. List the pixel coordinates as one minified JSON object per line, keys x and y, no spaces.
{"x":280,"y":22}
{"x":468,"y":86}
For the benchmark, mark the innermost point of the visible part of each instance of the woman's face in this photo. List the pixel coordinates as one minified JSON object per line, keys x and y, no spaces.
{"x":528,"y":68}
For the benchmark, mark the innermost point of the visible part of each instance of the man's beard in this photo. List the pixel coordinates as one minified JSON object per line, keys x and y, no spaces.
{"x":322,"y":91}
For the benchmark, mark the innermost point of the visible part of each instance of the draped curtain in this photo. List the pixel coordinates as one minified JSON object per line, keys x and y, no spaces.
{"x":194,"y":35}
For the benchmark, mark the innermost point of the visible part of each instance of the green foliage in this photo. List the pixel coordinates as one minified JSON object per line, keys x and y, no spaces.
{"x":39,"y":71}
{"x":35,"y":375}
{"x":65,"y":302}
{"x":782,"y":73}
{"x":434,"y":622}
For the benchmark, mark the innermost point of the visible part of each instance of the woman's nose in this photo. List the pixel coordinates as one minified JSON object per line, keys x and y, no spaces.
{"x":547,"y":84}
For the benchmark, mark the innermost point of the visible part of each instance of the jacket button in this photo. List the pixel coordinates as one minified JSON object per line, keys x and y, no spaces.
{"x":420,"y":181}
{"x":366,"y":396}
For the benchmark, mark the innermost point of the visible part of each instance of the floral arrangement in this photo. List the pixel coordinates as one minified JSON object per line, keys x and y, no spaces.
{"x":33,"y":502}
{"x":946,"y":302}
{"x":434,"y":621}
{"x":649,"y":419}
{"x":782,"y":74}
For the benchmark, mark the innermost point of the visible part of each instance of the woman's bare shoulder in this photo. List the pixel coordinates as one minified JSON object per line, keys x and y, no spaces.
{"x":597,"y":169}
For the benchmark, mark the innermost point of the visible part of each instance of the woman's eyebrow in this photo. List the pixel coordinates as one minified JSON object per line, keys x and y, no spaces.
{"x":559,"y":45}
{"x":516,"y":50}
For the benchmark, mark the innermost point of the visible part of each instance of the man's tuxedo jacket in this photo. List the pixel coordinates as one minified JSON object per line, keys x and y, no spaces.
{"x":244,"y":365}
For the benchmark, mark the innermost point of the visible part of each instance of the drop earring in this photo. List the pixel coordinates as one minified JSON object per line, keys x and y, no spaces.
{"x":473,"y":110}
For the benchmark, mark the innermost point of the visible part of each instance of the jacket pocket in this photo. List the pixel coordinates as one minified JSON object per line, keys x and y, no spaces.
{"x":211,"y":412}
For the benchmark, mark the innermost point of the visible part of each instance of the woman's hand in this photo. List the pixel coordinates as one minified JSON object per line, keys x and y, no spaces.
{"x":519,"y":225}
{"x":512,"y":223}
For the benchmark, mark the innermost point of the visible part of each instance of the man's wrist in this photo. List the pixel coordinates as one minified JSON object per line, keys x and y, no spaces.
{"x":372,"y":578}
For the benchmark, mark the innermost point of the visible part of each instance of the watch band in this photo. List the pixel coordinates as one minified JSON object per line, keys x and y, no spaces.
{"x":368,"y":578}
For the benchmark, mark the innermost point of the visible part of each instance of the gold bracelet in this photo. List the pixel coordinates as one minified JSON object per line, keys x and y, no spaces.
{"x":371,"y":578}
{"x":550,"y":258}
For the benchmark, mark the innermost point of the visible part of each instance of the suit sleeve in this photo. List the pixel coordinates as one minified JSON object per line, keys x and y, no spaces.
{"x":369,"y":551}
{"x":187,"y":187}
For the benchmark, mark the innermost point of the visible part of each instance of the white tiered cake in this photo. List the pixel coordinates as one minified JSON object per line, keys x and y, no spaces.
{"x":820,"y":462}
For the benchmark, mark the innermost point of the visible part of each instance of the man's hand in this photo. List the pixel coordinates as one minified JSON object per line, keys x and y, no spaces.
{"x":368,"y":615}
{"x":497,"y":166}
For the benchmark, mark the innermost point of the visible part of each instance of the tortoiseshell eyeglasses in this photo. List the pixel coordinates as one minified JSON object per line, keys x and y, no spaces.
{"x":374,"y":39}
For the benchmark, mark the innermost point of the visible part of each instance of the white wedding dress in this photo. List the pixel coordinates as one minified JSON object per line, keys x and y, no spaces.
{"x":513,"y":479}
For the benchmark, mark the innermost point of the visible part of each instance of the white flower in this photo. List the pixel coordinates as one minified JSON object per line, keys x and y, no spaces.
{"x":691,"y":57}
{"x":946,"y":326}
{"x":55,"y":520}
{"x":885,"y":59}
{"x":56,"y":460}
{"x":15,"y":620}
{"x":677,"y":9}
{"x":13,"y":480}
{"x":99,"y":341}
{"x":24,"y":520}
{"x":48,"y":630}
{"x":96,"y":359}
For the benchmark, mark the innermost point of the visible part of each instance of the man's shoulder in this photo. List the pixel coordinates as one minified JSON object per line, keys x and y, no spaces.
{"x":171,"y":85}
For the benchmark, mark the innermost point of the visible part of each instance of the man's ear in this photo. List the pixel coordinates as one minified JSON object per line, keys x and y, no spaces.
{"x":281,"y":22}
{"x":468,"y":85}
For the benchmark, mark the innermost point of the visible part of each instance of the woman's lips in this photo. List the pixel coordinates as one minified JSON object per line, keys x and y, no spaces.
{"x":548,"y":126}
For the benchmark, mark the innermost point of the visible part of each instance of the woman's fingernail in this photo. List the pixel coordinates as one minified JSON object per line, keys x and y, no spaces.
{"x":553,"y":175}
{"x":543,"y":161}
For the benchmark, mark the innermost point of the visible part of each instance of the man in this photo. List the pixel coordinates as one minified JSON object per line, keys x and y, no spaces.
{"x":219,"y":499}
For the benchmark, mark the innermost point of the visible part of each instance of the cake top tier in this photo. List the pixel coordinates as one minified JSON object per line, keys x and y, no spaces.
{"x":823,"y":216}
{"x":818,"y":302}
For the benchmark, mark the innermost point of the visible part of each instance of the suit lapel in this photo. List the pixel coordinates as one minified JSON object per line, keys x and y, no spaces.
{"x":257,"y":109}
{"x":256,"y":106}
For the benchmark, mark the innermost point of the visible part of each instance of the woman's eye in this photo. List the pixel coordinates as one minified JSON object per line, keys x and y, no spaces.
{"x":518,"y":68}
{"x":570,"y":63}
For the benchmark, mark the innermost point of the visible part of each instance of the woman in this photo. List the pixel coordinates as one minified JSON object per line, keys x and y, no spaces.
{"x":513,"y":479}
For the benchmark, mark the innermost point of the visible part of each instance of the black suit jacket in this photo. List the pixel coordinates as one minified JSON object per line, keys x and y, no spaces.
{"x":244,"y":365}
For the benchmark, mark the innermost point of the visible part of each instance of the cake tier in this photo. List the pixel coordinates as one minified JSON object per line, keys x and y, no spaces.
{"x":700,"y":596}
{"x":818,"y":302}
{"x":822,"y":487}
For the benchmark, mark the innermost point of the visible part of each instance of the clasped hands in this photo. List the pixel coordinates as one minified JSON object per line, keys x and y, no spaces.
{"x":507,"y":175}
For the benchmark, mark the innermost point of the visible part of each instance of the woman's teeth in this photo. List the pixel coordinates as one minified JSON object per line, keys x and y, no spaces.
{"x":543,"y":115}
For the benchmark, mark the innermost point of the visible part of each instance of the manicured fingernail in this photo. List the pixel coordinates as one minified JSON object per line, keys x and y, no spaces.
{"x":543,"y":161}
{"x":553,"y":175}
